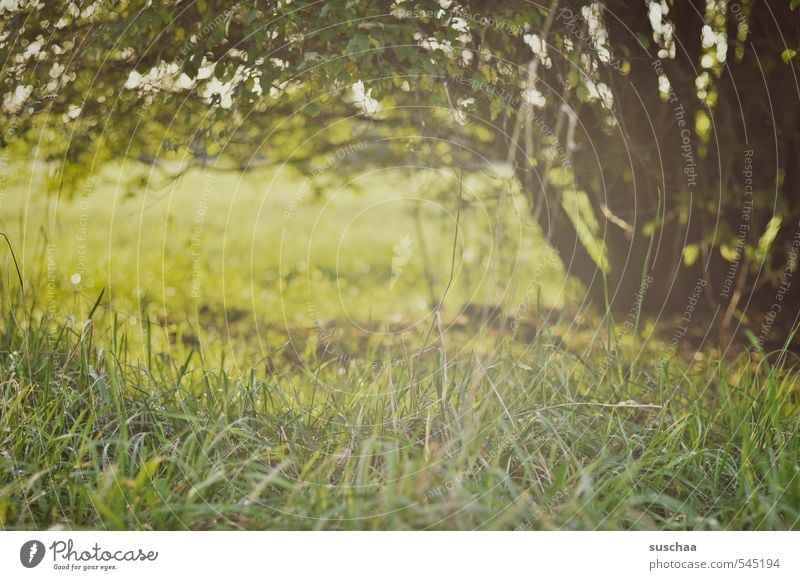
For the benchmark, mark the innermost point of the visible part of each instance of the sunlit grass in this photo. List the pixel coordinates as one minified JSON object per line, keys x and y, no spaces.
{"x":245,"y":368}
{"x":233,"y":259}
{"x":92,"y":438}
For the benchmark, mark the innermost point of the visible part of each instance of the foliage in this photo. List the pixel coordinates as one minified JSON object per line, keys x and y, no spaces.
{"x":638,"y":102}
{"x":654,"y":143}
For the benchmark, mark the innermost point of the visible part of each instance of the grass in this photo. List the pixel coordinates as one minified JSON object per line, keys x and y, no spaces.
{"x":90,"y":438}
{"x":151,"y":408}
{"x":215,"y":254}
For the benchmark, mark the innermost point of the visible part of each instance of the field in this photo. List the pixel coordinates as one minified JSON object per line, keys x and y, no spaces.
{"x":227,"y":351}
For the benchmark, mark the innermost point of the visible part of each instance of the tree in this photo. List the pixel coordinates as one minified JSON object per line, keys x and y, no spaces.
{"x":657,"y":141}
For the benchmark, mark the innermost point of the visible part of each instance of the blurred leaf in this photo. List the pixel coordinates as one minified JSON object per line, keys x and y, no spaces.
{"x":766,"y":239}
{"x":690,"y":254}
{"x":727,"y":251}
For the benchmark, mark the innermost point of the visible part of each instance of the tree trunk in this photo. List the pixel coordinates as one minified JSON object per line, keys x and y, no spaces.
{"x":667,"y":199}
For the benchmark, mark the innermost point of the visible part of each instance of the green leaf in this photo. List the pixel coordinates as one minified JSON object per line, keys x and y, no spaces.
{"x":643,"y":39}
{"x":583,"y":93}
{"x":769,"y":235}
{"x":754,"y":340}
{"x":358,"y":43}
{"x":192,"y":65}
{"x":690,"y":253}
{"x":788,"y":55}
{"x":730,"y":253}
{"x":312,"y":109}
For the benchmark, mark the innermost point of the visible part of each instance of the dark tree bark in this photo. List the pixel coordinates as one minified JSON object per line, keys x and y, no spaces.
{"x":636,"y":172}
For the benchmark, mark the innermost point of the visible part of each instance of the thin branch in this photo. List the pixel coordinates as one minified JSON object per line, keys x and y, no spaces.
{"x":452,"y":266}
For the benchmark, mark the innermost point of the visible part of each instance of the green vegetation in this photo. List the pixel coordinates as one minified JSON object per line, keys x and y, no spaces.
{"x":130,"y":421}
{"x":632,"y":129}
{"x":214,"y":257}
{"x":434,"y":265}
{"x":92,"y":438}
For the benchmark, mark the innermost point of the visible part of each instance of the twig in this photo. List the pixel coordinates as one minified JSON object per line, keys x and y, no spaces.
{"x":452,"y":267}
{"x":607,"y":405}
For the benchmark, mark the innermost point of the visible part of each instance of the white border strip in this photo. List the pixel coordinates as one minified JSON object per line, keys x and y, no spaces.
{"x":401,"y":555}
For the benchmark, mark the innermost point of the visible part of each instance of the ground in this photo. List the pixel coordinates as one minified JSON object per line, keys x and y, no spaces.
{"x":253,"y":361}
